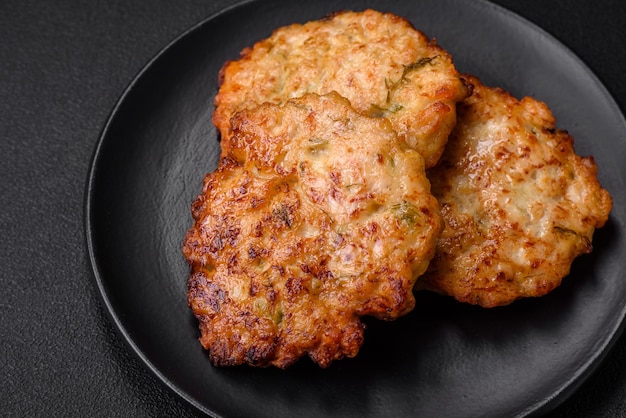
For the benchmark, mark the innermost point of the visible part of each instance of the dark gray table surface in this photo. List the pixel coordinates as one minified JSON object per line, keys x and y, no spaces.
{"x":63,"y":65}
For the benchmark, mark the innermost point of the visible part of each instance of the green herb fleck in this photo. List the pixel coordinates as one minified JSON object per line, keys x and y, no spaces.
{"x":419,"y":64}
{"x":408,"y":69}
{"x":317,"y":145}
{"x":406,"y":212}
{"x":278,"y":316}
{"x":376,"y":111}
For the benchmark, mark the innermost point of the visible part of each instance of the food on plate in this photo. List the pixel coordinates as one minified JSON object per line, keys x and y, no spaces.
{"x":519,"y":205}
{"x":316,"y":216}
{"x":378,"y":61}
{"x":321,"y":210}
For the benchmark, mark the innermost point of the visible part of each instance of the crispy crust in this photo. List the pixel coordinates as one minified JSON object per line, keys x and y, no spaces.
{"x":378,"y":61}
{"x":519,"y":205}
{"x":315,"y":216}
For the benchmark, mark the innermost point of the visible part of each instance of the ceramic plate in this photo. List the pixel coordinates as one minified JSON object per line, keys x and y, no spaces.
{"x":444,"y":358}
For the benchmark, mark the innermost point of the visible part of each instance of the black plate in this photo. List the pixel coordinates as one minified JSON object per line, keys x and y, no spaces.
{"x":443,"y":359}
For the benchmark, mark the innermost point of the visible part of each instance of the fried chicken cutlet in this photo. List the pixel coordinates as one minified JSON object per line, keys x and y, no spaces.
{"x":378,"y":61}
{"x":519,"y":205}
{"x":316,"y":216}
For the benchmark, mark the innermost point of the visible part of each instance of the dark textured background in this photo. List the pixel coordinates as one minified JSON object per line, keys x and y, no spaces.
{"x":63,"y":65}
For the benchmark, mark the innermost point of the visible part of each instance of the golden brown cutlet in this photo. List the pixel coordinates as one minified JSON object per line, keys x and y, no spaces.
{"x":519,"y":205}
{"x":378,"y":61}
{"x":316,"y":216}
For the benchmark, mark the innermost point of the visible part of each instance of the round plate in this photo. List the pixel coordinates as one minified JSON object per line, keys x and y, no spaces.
{"x":444,"y":358}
